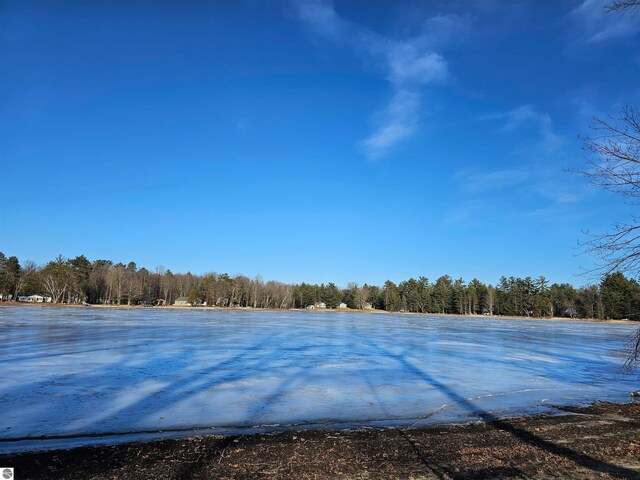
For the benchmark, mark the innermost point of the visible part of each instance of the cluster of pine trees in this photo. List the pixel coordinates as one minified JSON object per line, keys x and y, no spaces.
{"x":79,"y":280}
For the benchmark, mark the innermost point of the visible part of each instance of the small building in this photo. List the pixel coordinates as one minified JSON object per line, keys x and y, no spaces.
{"x":342,"y":305}
{"x":320,"y":305}
{"x":35,"y":299}
{"x":182,"y":302}
{"x":5,"y":297}
{"x":159,"y":302}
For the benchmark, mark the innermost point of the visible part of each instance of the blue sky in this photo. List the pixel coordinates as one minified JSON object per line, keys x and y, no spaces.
{"x":309,"y":140}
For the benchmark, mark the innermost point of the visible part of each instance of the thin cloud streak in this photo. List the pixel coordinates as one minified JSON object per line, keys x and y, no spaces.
{"x":400,"y":122}
{"x":408,"y":65}
{"x":478,"y":181}
{"x":527,"y":115}
{"x":599,"y":26}
{"x":487,"y":194}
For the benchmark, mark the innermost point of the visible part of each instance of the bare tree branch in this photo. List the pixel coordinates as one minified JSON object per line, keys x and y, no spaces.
{"x":615,"y":166}
{"x":624,"y":6}
{"x":633,"y":353}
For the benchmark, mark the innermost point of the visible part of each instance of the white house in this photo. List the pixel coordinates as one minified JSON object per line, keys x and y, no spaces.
{"x":35,"y":299}
{"x":182,"y":302}
{"x":342,"y":305}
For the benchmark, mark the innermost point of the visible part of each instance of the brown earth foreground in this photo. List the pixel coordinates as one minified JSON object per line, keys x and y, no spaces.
{"x":600,"y":441}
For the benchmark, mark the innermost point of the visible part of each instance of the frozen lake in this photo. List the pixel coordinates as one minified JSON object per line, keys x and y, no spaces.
{"x":92,"y":375}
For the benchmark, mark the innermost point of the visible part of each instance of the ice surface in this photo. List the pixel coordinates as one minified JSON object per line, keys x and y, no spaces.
{"x":90,"y":375}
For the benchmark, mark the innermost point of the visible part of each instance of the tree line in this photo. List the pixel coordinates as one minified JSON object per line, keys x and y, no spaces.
{"x":78,"y":280}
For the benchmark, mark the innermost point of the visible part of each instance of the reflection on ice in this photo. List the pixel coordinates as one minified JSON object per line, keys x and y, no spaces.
{"x":70,"y":372}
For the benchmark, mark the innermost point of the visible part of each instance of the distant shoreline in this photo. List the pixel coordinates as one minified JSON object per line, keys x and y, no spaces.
{"x":343,"y":310}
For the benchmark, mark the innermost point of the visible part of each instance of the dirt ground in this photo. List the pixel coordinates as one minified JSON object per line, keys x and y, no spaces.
{"x":600,"y":441}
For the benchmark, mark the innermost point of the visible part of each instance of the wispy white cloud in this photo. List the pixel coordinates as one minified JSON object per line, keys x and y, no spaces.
{"x":322,"y":17}
{"x":486,"y":194}
{"x":478,"y":181}
{"x":598,"y":26}
{"x":409,"y":65}
{"x":468,"y":211}
{"x":527,"y":115}
{"x":399,"y":121}
{"x":558,"y":187}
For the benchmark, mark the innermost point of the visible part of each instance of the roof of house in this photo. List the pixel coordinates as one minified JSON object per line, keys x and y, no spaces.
{"x":182,"y":299}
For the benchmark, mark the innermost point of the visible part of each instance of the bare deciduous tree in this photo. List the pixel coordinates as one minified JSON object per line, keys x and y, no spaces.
{"x":361,"y":297}
{"x":56,"y":278}
{"x":615,"y":166}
